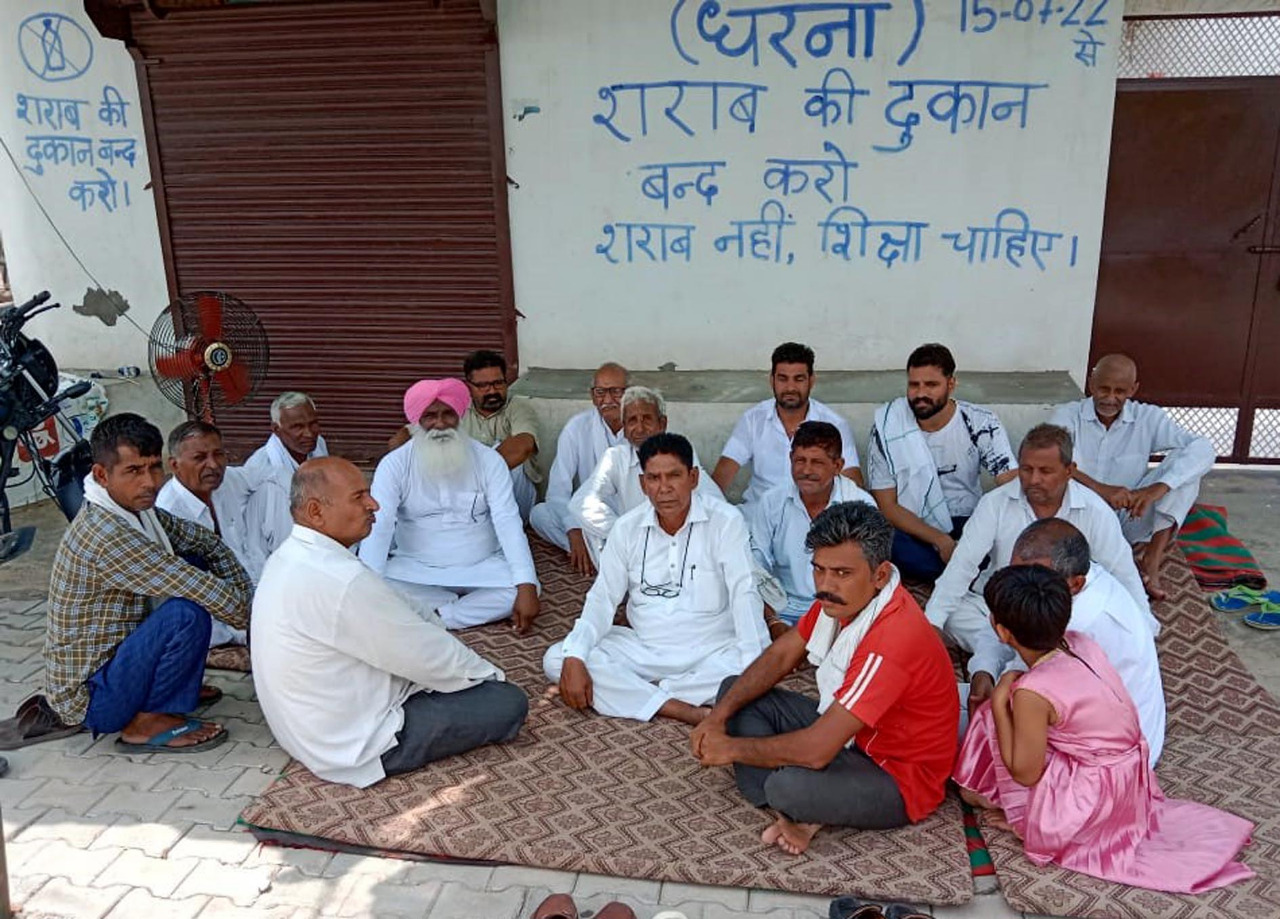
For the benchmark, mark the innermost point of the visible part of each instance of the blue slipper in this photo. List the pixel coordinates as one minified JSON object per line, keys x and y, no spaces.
{"x":160,"y":742}
{"x":1267,"y":621}
{"x":1243,"y":599}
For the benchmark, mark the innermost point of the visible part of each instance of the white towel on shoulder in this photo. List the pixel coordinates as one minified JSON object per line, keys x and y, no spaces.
{"x":147,"y":522}
{"x":831,"y":649}
{"x":911,"y":463}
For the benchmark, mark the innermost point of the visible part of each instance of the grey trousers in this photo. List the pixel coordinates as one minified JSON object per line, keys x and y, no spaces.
{"x":440,"y":724}
{"x":851,"y":791}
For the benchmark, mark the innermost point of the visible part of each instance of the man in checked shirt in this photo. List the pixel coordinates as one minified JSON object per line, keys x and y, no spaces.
{"x":130,"y":598}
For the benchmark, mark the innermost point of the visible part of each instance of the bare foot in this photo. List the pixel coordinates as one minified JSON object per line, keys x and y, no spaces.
{"x":1151,"y":581}
{"x":973,"y":799}
{"x":771,"y":833}
{"x":994,"y":817}
{"x":795,"y":837}
{"x":146,"y":725}
{"x":683,"y":711}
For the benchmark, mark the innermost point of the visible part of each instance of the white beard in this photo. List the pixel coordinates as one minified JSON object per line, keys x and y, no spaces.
{"x":441,"y":456}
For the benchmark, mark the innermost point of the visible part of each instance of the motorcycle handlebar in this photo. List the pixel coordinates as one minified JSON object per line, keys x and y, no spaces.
{"x":31,"y":304}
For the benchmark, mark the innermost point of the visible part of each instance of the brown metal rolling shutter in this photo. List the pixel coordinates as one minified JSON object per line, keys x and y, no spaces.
{"x":333,"y":165}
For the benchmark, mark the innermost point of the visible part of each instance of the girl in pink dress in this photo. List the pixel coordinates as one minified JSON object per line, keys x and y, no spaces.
{"x":1059,"y":751}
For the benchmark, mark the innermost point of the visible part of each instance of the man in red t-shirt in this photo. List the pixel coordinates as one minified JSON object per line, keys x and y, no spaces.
{"x":875,"y":750}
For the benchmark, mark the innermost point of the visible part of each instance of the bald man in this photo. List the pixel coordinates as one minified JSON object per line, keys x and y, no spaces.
{"x":582,"y":442}
{"x":354,"y":683}
{"x":1114,"y":436}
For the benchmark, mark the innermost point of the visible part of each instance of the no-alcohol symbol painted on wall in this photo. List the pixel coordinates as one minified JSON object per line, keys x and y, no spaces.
{"x":54,"y":47}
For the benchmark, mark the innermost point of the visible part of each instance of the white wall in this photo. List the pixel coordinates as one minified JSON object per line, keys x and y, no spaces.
{"x":120,"y":246}
{"x":716,"y":310}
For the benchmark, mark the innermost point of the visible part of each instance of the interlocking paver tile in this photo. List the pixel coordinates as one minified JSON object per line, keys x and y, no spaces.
{"x":458,"y":902}
{"x":761,"y":900}
{"x":371,"y":896}
{"x":59,"y":897}
{"x":73,"y":799}
{"x":198,"y":807}
{"x":268,"y":760}
{"x":57,"y":824}
{"x":222,"y":908}
{"x":123,"y":770}
{"x":124,"y":800}
{"x":79,"y":866}
{"x":17,"y":819}
{"x":213,"y":781}
{"x":307,"y":861}
{"x":240,"y":885}
{"x":673,"y":894}
{"x":474,"y":876}
{"x":230,"y":847}
{"x":553,"y":881}
{"x":139,"y":904}
{"x":160,"y":876}
{"x":14,"y":790}
{"x":291,"y":888}
{"x":347,"y":863}
{"x":589,"y":885}
{"x":150,"y":837}
{"x":46,"y":762}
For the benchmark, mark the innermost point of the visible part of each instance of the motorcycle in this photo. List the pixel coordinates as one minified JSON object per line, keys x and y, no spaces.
{"x":29,"y":398}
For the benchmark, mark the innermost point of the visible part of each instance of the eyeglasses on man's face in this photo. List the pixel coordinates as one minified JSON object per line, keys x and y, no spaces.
{"x":600,"y":392}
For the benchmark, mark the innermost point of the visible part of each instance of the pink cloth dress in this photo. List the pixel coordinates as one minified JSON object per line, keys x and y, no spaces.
{"x":1098,"y":808}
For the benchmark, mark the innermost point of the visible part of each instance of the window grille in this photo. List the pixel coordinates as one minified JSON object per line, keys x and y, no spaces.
{"x":1201,"y":46}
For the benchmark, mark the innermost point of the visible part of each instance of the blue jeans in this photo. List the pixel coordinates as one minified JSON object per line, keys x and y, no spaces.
{"x":917,"y":560}
{"x":158,"y":668}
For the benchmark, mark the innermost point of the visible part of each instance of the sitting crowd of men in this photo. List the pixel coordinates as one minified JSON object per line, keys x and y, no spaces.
{"x":347,"y":592}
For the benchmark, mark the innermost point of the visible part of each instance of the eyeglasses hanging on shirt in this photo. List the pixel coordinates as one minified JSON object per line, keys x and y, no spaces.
{"x":667,"y":591}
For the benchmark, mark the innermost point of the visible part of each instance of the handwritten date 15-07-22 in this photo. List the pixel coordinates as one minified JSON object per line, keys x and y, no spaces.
{"x":982,"y":16}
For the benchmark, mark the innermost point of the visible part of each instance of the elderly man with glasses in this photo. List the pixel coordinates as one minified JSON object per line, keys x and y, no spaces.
{"x":583,"y":440}
{"x":693,"y":614}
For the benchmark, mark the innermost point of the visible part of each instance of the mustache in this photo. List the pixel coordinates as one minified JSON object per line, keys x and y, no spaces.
{"x":829,"y":598}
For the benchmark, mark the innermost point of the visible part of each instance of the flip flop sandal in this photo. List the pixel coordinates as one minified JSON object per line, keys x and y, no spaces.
{"x":1266,"y":619}
{"x":160,"y":742}
{"x":903,"y":911}
{"x":34,"y":723}
{"x":556,"y":906}
{"x":853,"y":908}
{"x":616,"y":910}
{"x":1240,"y":599}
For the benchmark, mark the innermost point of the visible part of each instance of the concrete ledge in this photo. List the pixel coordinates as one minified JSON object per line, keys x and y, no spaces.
{"x":704,"y":405}
{"x":1048,"y":387}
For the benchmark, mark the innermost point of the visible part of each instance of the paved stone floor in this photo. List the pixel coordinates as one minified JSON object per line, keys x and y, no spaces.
{"x":95,"y":833}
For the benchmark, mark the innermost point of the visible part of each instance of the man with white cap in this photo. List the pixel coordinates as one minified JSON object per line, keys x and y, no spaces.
{"x":460,"y":547}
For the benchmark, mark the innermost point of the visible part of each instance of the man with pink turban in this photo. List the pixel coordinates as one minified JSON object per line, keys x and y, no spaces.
{"x":460,"y":549}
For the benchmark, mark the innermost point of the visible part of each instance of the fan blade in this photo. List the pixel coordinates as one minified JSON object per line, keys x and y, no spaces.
{"x":185,"y":365}
{"x":234,"y":382}
{"x":209,"y":309}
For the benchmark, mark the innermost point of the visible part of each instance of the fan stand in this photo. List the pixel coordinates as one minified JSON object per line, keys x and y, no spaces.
{"x":217,"y":357}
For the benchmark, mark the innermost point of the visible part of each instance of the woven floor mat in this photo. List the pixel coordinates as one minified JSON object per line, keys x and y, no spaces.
{"x":582,"y":792}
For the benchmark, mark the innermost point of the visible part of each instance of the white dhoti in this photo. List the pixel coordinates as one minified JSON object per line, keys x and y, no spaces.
{"x":1168,"y":512}
{"x":550,"y":520}
{"x":524,"y":490}
{"x":969,"y":625}
{"x":457,"y":607}
{"x":631,"y":679}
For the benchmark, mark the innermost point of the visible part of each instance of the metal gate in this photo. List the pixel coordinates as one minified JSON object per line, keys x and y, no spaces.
{"x":1189,"y":281}
{"x":339,"y":167}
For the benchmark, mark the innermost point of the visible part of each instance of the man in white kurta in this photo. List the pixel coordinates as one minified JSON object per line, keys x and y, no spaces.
{"x":780,"y":520}
{"x":1115,"y":437}
{"x":1044,"y":488}
{"x":693,"y":614}
{"x":224,"y":499}
{"x":295,"y":438}
{"x":582,"y":442}
{"x":1104,"y":611}
{"x":452,"y":541}
{"x":613,"y":488}
{"x":354,"y":684}
{"x":762,"y":436}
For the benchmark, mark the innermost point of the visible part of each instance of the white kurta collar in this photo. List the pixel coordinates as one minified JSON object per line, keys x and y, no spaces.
{"x":697,"y":514}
